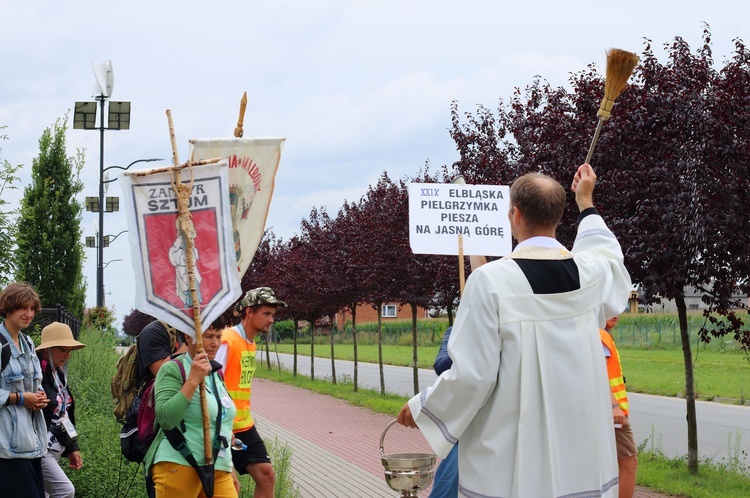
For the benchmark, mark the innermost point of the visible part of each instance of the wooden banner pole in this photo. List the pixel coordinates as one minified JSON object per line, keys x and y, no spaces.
{"x":238,"y":132}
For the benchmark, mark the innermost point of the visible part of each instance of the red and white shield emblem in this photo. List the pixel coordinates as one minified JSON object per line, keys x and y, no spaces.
{"x":160,"y":248}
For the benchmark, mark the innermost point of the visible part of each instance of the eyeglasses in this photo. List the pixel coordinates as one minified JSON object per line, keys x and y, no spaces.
{"x":64,"y":350}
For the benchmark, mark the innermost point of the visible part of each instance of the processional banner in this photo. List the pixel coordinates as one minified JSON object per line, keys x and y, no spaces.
{"x":160,"y":249}
{"x":253,"y":163}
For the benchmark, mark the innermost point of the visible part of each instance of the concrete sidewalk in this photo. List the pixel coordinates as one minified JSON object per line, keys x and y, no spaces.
{"x":336,"y":445}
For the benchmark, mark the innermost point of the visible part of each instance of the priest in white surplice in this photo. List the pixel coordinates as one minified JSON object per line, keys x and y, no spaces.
{"x":528,"y":395}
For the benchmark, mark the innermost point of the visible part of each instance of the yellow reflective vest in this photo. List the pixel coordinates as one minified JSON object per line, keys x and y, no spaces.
{"x":238,"y":375}
{"x":614,"y":371}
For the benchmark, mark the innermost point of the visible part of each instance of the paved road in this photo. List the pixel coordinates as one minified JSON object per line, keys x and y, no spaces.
{"x":723,"y":430}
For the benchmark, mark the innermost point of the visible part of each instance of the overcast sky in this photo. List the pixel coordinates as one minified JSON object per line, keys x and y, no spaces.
{"x":356,"y":87}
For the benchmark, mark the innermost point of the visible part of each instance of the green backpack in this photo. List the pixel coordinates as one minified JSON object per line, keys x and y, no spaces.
{"x":123,"y":384}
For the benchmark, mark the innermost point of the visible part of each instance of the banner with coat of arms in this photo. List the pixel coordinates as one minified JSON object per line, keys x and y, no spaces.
{"x":159,"y":248}
{"x":253,"y":163}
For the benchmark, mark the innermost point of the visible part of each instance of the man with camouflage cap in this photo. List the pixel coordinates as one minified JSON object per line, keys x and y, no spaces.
{"x":237,"y":354}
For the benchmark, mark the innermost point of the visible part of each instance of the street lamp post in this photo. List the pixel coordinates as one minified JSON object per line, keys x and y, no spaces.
{"x":100,"y":267}
{"x":84,"y":118}
{"x":119,"y":119}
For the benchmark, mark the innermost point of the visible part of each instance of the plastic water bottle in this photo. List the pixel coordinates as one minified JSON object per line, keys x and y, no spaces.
{"x":238,"y":445}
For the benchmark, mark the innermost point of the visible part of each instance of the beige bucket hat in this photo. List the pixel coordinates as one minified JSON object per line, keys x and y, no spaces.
{"x":58,"y":334}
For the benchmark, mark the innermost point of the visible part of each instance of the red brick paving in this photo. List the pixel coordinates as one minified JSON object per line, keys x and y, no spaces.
{"x":350,"y":432}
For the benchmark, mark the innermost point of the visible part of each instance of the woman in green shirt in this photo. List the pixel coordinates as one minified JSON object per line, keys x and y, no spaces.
{"x":178,"y":406}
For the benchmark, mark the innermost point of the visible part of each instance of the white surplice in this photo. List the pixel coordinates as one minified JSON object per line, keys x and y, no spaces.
{"x":528,"y":395}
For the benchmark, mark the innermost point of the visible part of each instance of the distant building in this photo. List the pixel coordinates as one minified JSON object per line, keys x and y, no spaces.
{"x":693,"y":301}
{"x":366,"y":313}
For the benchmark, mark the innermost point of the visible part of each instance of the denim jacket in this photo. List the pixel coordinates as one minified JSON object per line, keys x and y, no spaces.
{"x":23,"y":433}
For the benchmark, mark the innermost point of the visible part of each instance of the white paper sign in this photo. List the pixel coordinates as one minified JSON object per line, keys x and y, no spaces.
{"x":439,"y":212}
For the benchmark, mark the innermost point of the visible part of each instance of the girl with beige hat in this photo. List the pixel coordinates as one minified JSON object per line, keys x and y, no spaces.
{"x":59,"y":415}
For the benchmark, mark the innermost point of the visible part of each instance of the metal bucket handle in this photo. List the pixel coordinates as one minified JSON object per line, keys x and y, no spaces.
{"x":382,"y":436}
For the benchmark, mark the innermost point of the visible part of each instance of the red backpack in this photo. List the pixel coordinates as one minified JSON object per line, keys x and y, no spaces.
{"x":147,"y":409}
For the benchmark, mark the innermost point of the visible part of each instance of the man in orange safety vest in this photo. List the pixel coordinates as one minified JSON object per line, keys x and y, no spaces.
{"x":627,"y":452}
{"x":237,"y":353}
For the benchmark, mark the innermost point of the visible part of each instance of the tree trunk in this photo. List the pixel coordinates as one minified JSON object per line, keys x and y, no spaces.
{"x":333,"y":357}
{"x":267,"y":337}
{"x":312,"y":350}
{"x":414,"y":358}
{"x":294,"y":335}
{"x":450,"y":316}
{"x":380,"y":347}
{"x":354,"y":344}
{"x":687,"y":355}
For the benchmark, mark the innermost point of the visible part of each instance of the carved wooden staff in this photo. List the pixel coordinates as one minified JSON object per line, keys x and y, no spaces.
{"x":620,"y":65}
{"x":182,"y":192}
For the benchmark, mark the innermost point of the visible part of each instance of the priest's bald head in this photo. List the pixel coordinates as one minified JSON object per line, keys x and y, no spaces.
{"x":537,"y":202}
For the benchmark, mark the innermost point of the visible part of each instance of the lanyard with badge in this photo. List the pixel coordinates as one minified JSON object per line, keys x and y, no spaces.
{"x":223,"y":404}
{"x":63,"y":418}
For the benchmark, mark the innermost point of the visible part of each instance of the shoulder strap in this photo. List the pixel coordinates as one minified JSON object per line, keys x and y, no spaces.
{"x":176,"y":437}
{"x":181,"y":367}
{"x":172,"y":334}
{"x":5,"y":355}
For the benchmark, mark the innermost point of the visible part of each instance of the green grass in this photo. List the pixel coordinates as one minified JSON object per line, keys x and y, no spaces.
{"x":642,"y":330}
{"x":367,"y":353}
{"x":669,"y":476}
{"x":718,"y":376}
{"x":281,"y":456}
{"x":721,"y":376}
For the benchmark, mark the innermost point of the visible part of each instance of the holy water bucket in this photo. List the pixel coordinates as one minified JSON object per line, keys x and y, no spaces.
{"x":407,"y":473}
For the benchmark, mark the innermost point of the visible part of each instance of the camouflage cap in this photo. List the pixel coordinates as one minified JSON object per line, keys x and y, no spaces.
{"x":258,"y":297}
